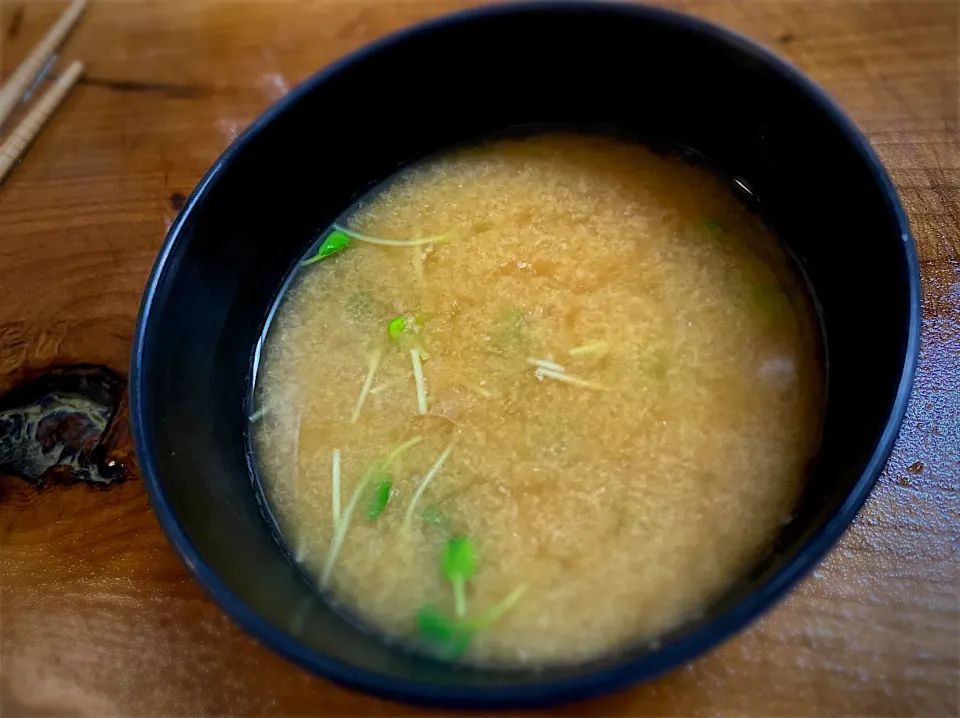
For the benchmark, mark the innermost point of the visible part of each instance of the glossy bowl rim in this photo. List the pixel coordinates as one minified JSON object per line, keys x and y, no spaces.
{"x":622,"y":674}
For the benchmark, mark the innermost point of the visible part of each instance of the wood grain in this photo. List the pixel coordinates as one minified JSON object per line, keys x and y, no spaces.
{"x":99,"y":618}
{"x":19,"y":81}
{"x":17,"y":142}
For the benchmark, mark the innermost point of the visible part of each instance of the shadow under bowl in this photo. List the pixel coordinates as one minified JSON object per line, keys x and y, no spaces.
{"x":665,"y":78}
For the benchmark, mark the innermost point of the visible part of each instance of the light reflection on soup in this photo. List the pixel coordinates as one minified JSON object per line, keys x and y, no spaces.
{"x":618,"y":366}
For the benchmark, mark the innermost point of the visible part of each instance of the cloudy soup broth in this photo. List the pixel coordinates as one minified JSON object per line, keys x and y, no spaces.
{"x":537,"y":400}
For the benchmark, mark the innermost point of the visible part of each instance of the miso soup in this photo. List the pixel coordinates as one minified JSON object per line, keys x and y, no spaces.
{"x":537,"y":400}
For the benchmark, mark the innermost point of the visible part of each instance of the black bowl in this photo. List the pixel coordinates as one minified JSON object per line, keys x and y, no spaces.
{"x":668,"y":79}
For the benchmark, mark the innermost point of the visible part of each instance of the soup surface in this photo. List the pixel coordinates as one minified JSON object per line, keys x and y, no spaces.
{"x":621,"y":392}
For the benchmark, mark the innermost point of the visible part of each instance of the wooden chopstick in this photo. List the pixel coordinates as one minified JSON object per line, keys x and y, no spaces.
{"x":24,"y":133}
{"x":14,"y":87}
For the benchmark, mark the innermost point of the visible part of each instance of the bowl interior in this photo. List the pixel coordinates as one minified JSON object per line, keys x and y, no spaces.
{"x":663,"y":78}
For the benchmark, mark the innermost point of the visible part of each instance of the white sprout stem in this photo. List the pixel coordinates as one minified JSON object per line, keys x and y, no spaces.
{"x":372,"y":363}
{"x":459,"y":599}
{"x":494,"y":613}
{"x":434,"y":470}
{"x":386,"y":385}
{"x":576,"y":381}
{"x":418,"y":376}
{"x":600,"y":347}
{"x":400,"y":451}
{"x":477,"y":389}
{"x":340,"y":530}
{"x":388,"y":242}
{"x":340,"y":527}
{"x":336,"y":486}
{"x":545,"y":364}
{"x":258,"y":414}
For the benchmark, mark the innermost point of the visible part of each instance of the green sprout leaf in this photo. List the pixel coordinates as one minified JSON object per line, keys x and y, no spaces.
{"x":434,"y":625}
{"x":459,"y":559}
{"x":450,"y":637}
{"x":380,"y":498}
{"x":435,"y":516}
{"x":458,"y":565}
{"x":405,"y":326}
{"x":335,"y":242}
{"x":446,"y":636}
{"x":403,"y":330}
{"x":379,"y":474}
{"x":712,"y":225}
{"x":397,"y":327}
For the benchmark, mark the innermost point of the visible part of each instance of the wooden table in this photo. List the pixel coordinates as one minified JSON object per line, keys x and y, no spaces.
{"x":97,"y":616}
